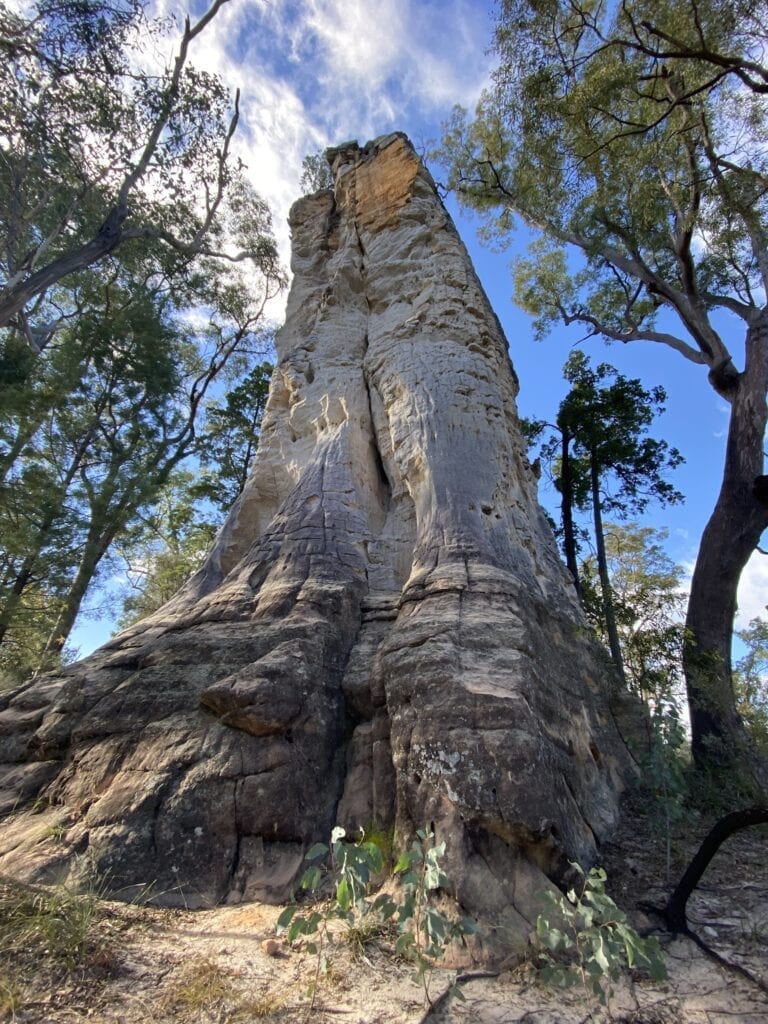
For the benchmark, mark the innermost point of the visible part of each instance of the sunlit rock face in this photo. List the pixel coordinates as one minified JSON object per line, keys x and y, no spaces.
{"x":383,"y":631}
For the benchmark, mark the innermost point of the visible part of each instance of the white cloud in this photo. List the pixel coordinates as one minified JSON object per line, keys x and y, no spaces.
{"x":752,"y":595}
{"x":314,"y":73}
{"x":363,"y":40}
{"x":753,"y":590}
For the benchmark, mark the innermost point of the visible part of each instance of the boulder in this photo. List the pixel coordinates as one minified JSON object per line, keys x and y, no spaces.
{"x":383,"y":631}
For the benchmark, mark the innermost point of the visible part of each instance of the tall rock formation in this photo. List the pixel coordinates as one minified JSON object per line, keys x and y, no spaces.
{"x":382,"y":632}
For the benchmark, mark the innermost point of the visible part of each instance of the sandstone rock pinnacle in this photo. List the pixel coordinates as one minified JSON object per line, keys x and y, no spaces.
{"x":383,"y":631}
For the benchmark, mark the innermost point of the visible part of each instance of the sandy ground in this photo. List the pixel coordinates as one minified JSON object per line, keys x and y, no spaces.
{"x":222,"y":966}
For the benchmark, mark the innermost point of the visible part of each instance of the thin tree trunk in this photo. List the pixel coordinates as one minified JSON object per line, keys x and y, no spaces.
{"x":45,"y":529}
{"x":93,"y":552}
{"x":566,"y":490}
{"x":730,"y":537}
{"x":106,"y":240}
{"x":602,"y":568}
{"x":20,"y":584}
{"x":101,"y":533}
{"x":675,"y":910}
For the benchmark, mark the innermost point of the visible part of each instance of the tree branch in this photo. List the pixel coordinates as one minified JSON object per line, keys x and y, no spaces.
{"x":15,"y":295}
{"x":660,"y":337}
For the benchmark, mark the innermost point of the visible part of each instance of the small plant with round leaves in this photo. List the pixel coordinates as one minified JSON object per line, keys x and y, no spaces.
{"x":587,"y":940}
{"x":352,"y":868}
{"x":425,"y":931}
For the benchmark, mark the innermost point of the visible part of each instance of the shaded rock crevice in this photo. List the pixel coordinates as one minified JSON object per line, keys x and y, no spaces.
{"x":382,"y":632}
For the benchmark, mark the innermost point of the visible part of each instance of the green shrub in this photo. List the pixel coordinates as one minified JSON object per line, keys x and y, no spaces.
{"x":424,"y":932}
{"x":586,"y":940}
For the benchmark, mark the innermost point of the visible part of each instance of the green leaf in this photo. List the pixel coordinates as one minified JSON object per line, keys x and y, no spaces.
{"x":374,"y":861}
{"x":343,"y":895}
{"x":435,"y":925}
{"x":657,"y":968}
{"x":384,"y":905}
{"x":318,"y":850}
{"x":311,"y":878}
{"x":286,"y":917}
{"x":553,"y":939}
{"x":431,"y":877}
{"x":599,"y":959}
{"x":406,"y":909}
{"x":456,"y":993}
{"x":403,"y":863}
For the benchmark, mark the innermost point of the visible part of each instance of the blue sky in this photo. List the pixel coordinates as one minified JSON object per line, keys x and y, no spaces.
{"x":314,"y":73}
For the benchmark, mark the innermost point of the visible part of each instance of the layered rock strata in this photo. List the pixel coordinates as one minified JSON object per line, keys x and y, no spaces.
{"x":382,"y":632}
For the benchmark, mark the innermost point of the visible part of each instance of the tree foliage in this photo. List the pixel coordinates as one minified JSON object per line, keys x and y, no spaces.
{"x":586,"y":101}
{"x":165,"y":545}
{"x":230,"y":438}
{"x":106,"y":148}
{"x":634,"y":135}
{"x":124,"y":297}
{"x":751,"y":678}
{"x":649,"y":604}
{"x":315,"y":173}
{"x":603,"y":459}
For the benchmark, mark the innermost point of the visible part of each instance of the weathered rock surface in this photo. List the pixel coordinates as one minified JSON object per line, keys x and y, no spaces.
{"x":382,"y":632}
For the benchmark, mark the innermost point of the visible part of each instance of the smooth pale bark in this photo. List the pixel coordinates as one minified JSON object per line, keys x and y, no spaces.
{"x":730,"y":537}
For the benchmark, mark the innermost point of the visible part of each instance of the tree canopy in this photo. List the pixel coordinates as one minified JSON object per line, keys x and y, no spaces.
{"x":602,"y":458}
{"x":651,"y":164}
{"x":136,"y":264}
{"x":105,"y":147}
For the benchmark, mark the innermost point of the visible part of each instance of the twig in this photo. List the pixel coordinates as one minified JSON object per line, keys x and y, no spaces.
{"x":460,"y":979}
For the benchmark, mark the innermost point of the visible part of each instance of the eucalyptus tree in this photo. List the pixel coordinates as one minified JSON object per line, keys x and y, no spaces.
{"x":315,"y":173}
{"x":648,"y":594}
{"x":751,"y":678}
{"x":121,"y":401}
{"x":163,"y":546}
{"x":230,"y":438}
{"x":634,"y":135}
{"x":106,"y":147}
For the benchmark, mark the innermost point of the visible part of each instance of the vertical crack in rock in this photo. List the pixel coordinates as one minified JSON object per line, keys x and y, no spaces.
{"x":382,"y":631}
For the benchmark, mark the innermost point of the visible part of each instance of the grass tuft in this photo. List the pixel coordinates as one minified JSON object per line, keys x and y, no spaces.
{"x":52,"y":922}
{"x":11,"y":997}
{"x":203,"y":983}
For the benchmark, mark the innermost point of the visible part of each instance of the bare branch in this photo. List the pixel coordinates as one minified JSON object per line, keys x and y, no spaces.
{"x":661,"y":337}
